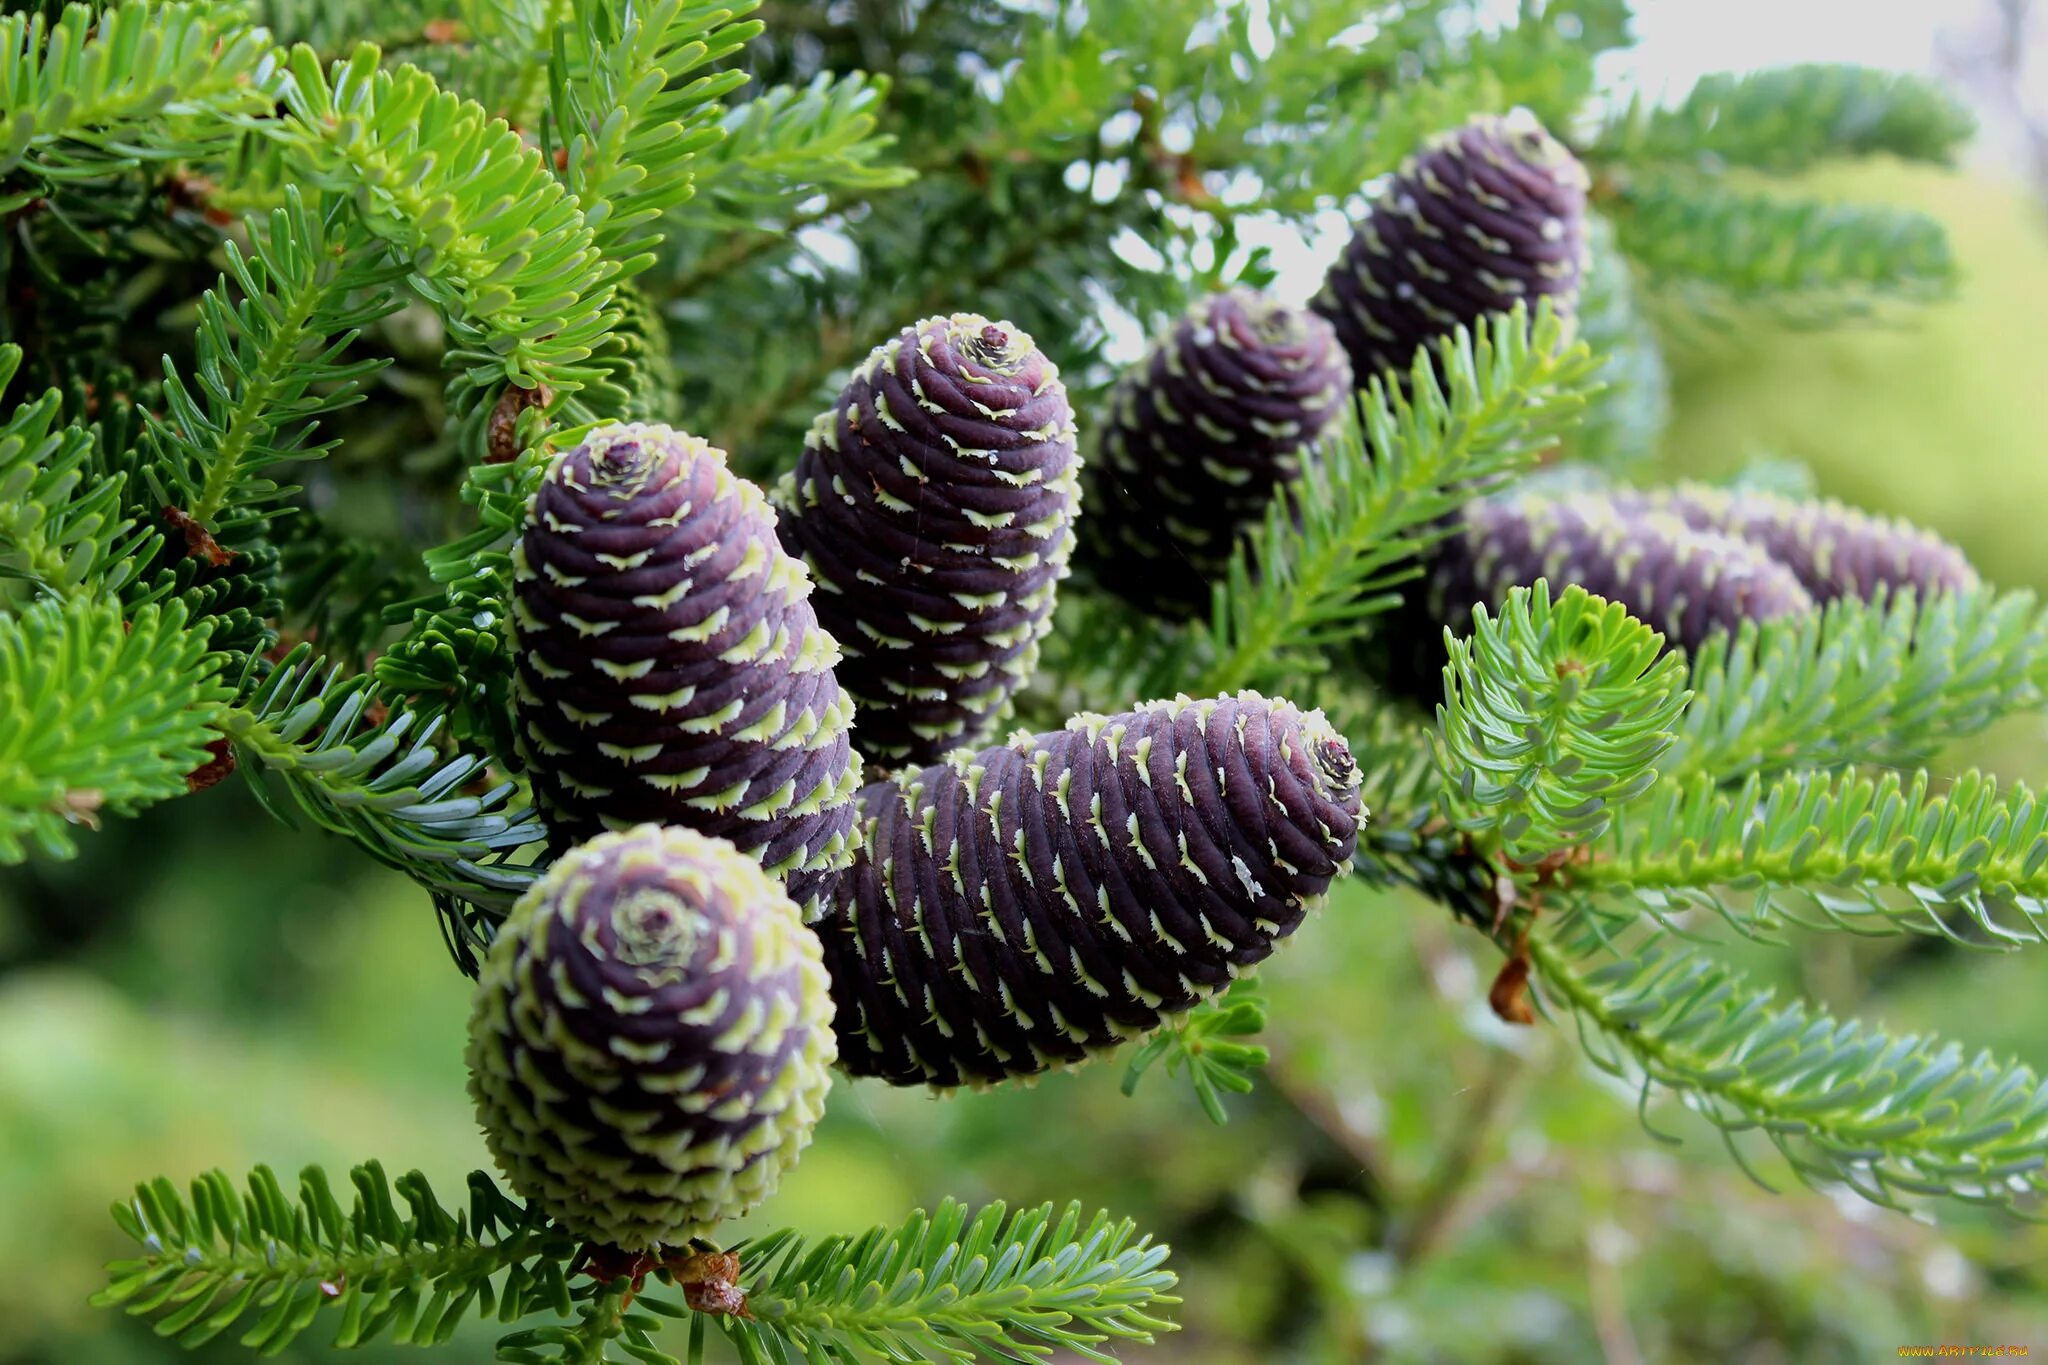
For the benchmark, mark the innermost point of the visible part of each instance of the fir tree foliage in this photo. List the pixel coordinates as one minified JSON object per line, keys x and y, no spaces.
{"x":395,"y":1262}
{"x":510,"y":224}
{"x":1553,"y":713}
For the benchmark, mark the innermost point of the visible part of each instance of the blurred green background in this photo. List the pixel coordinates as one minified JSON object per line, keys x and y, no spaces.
{"x":1415,"y":1182}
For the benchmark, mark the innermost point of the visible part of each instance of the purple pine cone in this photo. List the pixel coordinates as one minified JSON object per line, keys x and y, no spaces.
{"x":1484,"y":217}
{"x":669,"y":665}
{"x":1203,"y":433}
{"x":1836,"y":550}
{"x":1687,"y":583}
{"x":1029,"y":904}
{"x":650,"y":1043}
{"x":935,"y":504}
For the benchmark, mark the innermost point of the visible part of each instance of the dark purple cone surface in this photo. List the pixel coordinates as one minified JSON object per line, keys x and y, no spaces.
{"x":1026,"y":905}
{"x":650,"y":1042}
{"x":1480,"y":219}
{"x":1203,"y":433}
{"x":935,"y":505}
{"x":669,"y":665}
{"x":1836,"y":551}
{"x":1687,"y":583}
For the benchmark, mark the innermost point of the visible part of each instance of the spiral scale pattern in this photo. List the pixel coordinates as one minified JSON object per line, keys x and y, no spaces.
{"x":1203,"y":434}
{"x":1483,"y":217}
{"x":1835,"y":551}
{"x":670,"y":668}
{"x":1687,"y":583}
{"x":650,"y":1042}
{"x":935,"y":505}
{"x":1026,"y":905}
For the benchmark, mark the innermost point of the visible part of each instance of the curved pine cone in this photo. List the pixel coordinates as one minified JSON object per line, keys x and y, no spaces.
{"x":1836,"y":550}
{"x":1202,"y":433}
{"x":1026,"y":905}
{"x":1687,"y":583}
{"x":650,"y":1043}
{"x":935,"y":504}
{"x":1483,"y":217}
{"x":669,"y":664}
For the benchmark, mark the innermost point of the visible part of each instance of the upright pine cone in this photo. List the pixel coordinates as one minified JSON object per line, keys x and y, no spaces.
{"x":935,"y":504}
{"x":1836,"y":551}
{"x":669,"y":665}
{"x":1203,"y":432}
{"x":1687,"y":583}
{"x":1484,"y":216}
{"x":650,"y":1043}
{"x":1032,"y":903}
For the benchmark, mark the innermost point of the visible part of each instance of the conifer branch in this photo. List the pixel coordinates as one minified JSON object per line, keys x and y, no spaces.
{"x":1784,"y":119}
{"x":1888,"y":1116}
{"x":492,"y":239}
{"x":221,"y":1259}
{"x":1208,"y":1043}
{"x":1708,"y":250}
{"x":1861,"y":682}
{"x":952,"y":1287}
{"x":1821,"y":850}
{"x":1552,"y":717}
{"x":379,"y":775}
{"x":629,"y":129}
{"x":333,"y":27}
{"x":98,"y":715}
{"x":62,"y":522}
{"x":789,"y":143}
{"x":270,"y":367}
{"x":946,"y":1286}
{"x":102,"y":90}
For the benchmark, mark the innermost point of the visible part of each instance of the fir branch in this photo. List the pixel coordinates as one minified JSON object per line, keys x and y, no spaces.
{"x":378,"y":775}
{"x":1808,"y":263}
{"x":1862,"y":682}
{"x":1784,"y":119}
{"x":272,"y":366}
{"x":220,"y":1259}
{"x":948,"y":1287}
{"x":1888,"y":1116}
{"x":943,"y":1286}
{"x":1371,"y":502}
{"x":63,"y":527}
{"x":627,"y":124}
{"x":1819,"y":850}
{"x":493,"y":240}
{"x":98,"y":715}
{"x":1552,"y":717}
{"x":790,"y":143}
{"x":101,"y":91}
